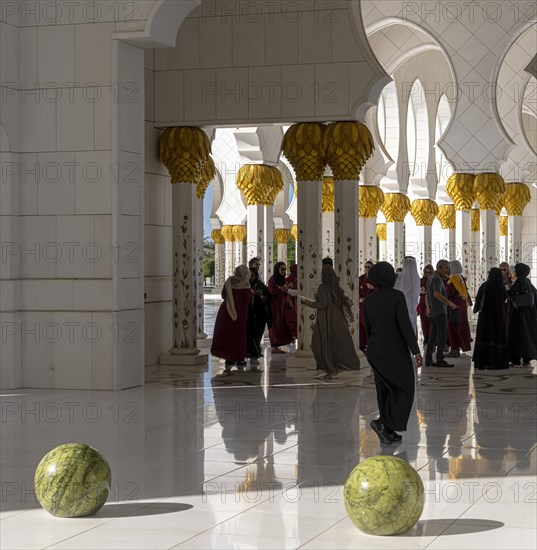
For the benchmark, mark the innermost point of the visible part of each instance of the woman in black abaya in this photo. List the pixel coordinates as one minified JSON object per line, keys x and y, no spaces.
{"x":522,"y":330}
{"x":390,"y":339}
{"x":490,"y":349}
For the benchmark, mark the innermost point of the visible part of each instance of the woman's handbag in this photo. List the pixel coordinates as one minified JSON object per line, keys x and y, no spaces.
{"x":526,"y":299}
{"x":453,"y":316}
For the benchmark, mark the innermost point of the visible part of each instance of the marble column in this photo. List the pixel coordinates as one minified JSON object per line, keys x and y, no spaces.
{"x":185,"y":165}
{"x":382,"y":239}
{"x":424,"y":211}
{"x":309,"y":170}
{"x":348,"y":146}
{"x":200,"y":277}
{"x":464,"y":245}
{"x":370,"y":240}
{"x":268,"y":245}
{"x":219,"y":260}
{"x":282,"y":237}
{"x":294,"y":234}
{"x":231,"y":261}
{"x":474,"y":273}
{"x":396,"y":206}
{"x":489,"y":188}
{"x":255,"y":220}
{"x":504,"y":238}
{"x":328,"y":218}
{"x":515,"y":198}
{"x":370,"y":200}
{"x":346,"y":258}
{"x":448,"y":219}
{"x":460,"y":188}
{"x":515,"y":239}
{"x":239,"y":234}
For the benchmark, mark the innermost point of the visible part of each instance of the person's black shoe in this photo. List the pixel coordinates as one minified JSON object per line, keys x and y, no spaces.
{"x":443,"y":364}
{"x":381,"y":431}
{"x":395,"y":436}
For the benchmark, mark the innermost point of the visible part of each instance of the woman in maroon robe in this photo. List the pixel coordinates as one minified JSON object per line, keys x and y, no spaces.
{"x":364,"y":289}
{"x":230,"y":328}
{"x":428,"y":270}
{"x":280,"y":332}
{"x":457,"y":292}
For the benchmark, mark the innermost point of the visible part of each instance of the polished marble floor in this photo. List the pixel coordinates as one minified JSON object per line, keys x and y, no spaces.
{"x":259,"y":459}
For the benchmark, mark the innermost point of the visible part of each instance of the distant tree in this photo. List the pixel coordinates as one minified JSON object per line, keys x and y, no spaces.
{"x":208,"y":257}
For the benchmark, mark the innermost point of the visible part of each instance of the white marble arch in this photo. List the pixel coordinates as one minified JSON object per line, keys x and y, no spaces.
{"x":512,"y":83}
{"x":487,"y":148}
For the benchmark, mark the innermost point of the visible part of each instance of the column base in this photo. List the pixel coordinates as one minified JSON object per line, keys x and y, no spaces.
{"x":204,"y":343}
{"x":185,"y":359}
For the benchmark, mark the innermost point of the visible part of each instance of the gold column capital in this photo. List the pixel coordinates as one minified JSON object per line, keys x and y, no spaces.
{"x":348,"y":145}
{"x":395,"y":207}
{"x":282,"y":235}
{"x":515,"y":198}
{"x":475,"y":220}
{"x":447,"y":216}
{"x":381,"y":231}
{"x":184,"y":151}
{"x":207,"y":174}
{"x":294,"y":232}
{"x":504,"y":226}
{"x":424,"y":211}
{"x":239,"y":233}
{"x":259,"y":183}
{"x":227,"y":233}
{"x":488,"y":190}
{"x":218,"y":238}
{"x":304,"y":147}
{"x":460,"y":188}
{"x":328,"y":194}
{"x":370,"y":200}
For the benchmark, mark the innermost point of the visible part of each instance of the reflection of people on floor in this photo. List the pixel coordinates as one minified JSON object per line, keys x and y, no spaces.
{"x":328,"y":436}
{"x":504,"y":429}
{"x":244,"y":416}
{"x":284,"y":408}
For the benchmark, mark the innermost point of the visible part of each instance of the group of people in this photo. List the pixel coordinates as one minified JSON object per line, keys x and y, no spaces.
{"x":506,"y":333}
{"x":249,"y":307}
{"x":389,"y":304}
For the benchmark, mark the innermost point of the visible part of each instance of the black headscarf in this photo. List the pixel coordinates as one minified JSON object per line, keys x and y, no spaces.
{"x":329,"y":279}
{"x":279,"y":279}
{"x":522,"y":270}
{"x":382,"y":275}
{"x":495,"y":276}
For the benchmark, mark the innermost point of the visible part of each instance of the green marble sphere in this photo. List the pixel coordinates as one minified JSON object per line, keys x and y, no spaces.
{"x":72,"y":481}
{"x":384,"y":495}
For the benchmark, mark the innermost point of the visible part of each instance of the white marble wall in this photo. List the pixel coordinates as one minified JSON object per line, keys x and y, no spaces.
{"x":74,"y":228}
{"x":158,"y":233}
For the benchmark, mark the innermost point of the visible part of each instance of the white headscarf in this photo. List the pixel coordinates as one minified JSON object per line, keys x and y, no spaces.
{"x":240,"y":279}
{"x":455,"y":267}
{"x":409,"y":283}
